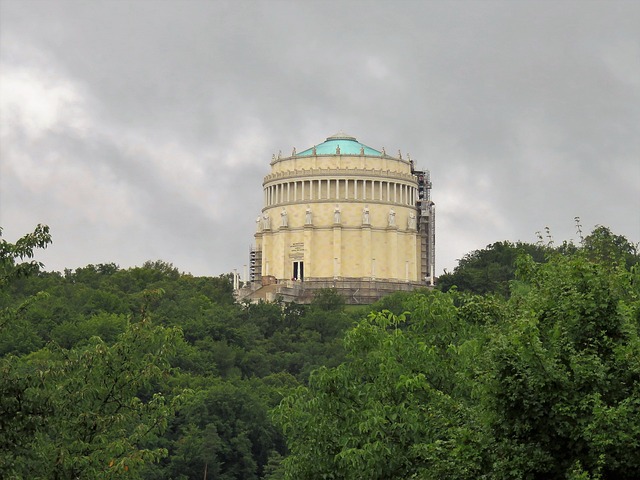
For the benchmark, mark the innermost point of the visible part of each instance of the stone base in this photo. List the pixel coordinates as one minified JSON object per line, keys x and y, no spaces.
{"x":356,"y":291}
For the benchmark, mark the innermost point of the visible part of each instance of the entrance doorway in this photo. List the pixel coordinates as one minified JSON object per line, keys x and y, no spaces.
{"x":298,"y":271}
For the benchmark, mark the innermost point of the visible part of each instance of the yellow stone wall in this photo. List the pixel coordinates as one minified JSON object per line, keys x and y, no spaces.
{"x":347,"y":249}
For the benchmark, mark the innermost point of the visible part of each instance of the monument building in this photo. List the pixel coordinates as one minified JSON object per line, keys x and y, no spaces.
{"x":343,"y":215}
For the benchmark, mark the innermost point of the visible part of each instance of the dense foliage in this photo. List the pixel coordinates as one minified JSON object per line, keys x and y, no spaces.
{"x":147,"y":372}
{"x":544,"y":385}
{"x":490,"y":269}
{"x":529,"y":368}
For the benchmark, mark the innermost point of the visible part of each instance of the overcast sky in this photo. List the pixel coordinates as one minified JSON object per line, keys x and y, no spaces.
{"x":142,"y":130}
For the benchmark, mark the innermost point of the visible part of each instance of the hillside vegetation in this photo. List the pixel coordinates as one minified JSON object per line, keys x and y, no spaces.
{"x":524,"y":364}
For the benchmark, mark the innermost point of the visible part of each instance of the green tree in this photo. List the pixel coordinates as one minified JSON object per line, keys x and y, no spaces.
{"x":328,"y":299}
{"x":564,"y":377}
{"x":544,"y":385}
{"x":490,"y":269}
{"x":84,"y":412}
{"x":388,"y":412}
{"x":16,"y":258}
{"x":605,"y":247}
{"x":224,"y":430}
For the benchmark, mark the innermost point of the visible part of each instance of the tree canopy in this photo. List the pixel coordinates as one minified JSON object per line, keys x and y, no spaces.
{"x":528,"y":369}
{"x":545,"y":384}
{"x":489,"y":270}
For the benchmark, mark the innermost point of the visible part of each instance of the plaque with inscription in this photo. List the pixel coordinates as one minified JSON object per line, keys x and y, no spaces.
{"x":296,"y":251}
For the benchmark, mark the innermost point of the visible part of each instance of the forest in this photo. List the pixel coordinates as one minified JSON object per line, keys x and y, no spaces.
{"x":523,"y":363}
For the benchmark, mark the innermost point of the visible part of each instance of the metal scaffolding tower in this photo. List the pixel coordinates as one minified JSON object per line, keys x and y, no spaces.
{"x":426,"y":226}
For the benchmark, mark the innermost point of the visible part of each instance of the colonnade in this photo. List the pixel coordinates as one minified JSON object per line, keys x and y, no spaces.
{"x":336,"y":189}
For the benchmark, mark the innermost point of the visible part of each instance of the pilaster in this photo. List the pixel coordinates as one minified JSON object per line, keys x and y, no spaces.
{"x":367,"y":267}
{"x":392,"y":250}
{"x":415,"y":261}
{"x":284,"y":246}
{"x":337,"y":250}
{"x":309,"y":268}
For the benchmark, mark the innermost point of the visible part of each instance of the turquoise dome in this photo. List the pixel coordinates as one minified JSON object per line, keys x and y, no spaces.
{"x":348,"y":146}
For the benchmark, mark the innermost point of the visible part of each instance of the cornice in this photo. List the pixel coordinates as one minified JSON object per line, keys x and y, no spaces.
{"x":342,"y":173}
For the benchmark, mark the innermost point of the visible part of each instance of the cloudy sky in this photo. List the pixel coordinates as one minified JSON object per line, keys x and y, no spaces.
{"x":141,"y":130}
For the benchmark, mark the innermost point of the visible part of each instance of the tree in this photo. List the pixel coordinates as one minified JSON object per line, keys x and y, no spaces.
{"x":489,"y":270}
{"x":605,"y":247}
{"x":544,"y":385}
{"x":563,"y":383}
{"x":84,"y":412}
{"x":386,"y":413}
{"x":328,"y":299}
{"x":12,"y":256}
{"x":224,"y":431}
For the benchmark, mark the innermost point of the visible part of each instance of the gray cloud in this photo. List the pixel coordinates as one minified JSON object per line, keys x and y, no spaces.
{"x":142,"y":130}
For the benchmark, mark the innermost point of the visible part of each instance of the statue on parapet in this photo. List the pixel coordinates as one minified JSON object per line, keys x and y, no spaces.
{"x":412,"y":221}
{"x":308,"y":216}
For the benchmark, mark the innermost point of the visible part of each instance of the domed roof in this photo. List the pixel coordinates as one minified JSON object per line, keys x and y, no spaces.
{"x":348,"y":146}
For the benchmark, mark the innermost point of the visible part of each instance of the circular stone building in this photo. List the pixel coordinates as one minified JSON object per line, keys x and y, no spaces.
{"x":343,"y":215}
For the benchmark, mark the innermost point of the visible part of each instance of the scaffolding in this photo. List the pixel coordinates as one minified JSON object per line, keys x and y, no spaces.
{"x":255,"y":265}
{"x":426,"y":226}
